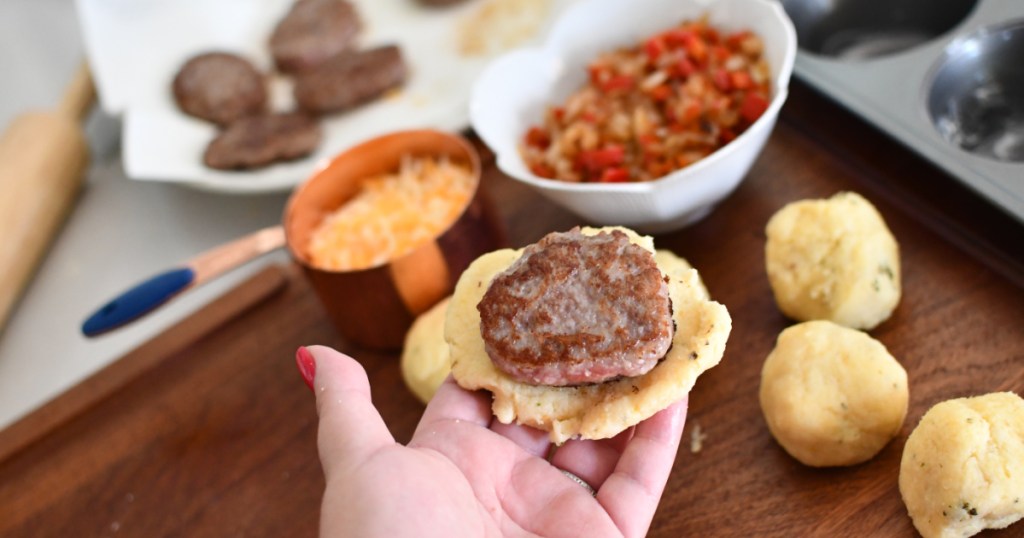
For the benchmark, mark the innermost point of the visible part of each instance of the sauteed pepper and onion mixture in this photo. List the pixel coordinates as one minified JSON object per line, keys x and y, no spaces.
{"x":653,"y":108}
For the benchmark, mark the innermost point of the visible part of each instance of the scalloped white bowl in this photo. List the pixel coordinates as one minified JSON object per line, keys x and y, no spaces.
{"x":514,"y":90}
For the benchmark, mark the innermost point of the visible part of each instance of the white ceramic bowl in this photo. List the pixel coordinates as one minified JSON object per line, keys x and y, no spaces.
{"x":513,"y":92}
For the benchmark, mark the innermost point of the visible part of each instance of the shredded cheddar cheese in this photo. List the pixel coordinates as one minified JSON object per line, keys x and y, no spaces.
{"x":392,"y":215}
{"x":500,"y":25}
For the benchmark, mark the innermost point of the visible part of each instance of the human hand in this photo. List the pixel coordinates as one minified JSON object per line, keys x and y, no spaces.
{"x":465,"y":474}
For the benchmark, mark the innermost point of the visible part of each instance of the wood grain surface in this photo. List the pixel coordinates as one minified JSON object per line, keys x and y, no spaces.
{"x":219,"y":438}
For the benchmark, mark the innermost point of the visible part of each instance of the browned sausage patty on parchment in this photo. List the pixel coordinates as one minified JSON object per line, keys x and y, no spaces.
{"x":577,"y":309}
{"x":312,"y":32}
{"x":350,"y":79}
{"x":256,"y":141}
{"x":219,"y":87}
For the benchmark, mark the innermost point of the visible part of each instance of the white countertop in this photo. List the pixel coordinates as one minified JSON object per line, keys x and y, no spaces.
{"x":120,"y":231}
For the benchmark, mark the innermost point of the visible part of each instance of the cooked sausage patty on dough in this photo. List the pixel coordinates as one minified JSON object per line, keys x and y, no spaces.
{"x":219,"y":87}
{"x":350,"y":79}
{"x":577,"y":309}
{"x":257,"y":141}
{"x":312,"y":32}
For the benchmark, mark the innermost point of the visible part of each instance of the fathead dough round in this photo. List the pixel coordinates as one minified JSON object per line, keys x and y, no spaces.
{"x":833,"y":259}
{"x":598,"y":410}
{"x":832,"y":395}
{"x":426,"y":361}
{"x":963,"y":466}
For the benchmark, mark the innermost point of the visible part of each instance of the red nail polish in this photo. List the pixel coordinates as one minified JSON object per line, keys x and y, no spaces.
{"x":307,"y":365}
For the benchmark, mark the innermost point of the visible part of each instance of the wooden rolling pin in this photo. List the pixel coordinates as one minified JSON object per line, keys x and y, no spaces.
{"x":43,"y":157}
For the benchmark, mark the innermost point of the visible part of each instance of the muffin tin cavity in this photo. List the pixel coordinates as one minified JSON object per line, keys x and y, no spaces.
{"x":955,"y":95}
{"x":858,"y":30}
{"x":976,"y":96}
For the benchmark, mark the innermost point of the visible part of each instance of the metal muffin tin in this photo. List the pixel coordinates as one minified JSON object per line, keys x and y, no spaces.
{"x":944,"y":77}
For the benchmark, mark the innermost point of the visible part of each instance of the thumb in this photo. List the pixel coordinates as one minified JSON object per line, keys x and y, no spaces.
{"x":351,"y":428}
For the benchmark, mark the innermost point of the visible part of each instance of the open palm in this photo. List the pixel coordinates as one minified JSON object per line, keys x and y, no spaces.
{"x":463,"y":474}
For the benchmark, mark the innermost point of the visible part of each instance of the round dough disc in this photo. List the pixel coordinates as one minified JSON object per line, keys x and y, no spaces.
{"x":599,"y":410}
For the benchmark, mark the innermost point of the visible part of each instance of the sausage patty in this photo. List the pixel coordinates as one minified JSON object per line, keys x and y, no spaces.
{"x":577,"y":309}
{"x":256,"y":141}
{"x":312,"y":32}
{"x":219,"y":87}
{"x":350,"y":79}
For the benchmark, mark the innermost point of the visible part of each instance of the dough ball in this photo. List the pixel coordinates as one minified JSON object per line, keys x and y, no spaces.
{"x":963,"y":466}
{"x":598,"y":410}
{"x":833,"y":259}
{"x":832,"y":395}
{"x":425,"y":359}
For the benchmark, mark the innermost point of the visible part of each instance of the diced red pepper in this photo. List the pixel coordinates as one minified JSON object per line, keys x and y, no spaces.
{"x":598,"y":159}
{"x":735,"y":40}
{"x":698,"y":50}
{"x":686,"y":67}
{"x":654,"y":47}
{"x":538,"y":138}
{"x":741,"y":80}
{"x":646,"y":140}
{"x":690,"y":113}
{"x":679,"y":37}
{"x":711,"y":35}
{"x":720,"y":105}
{"x":543,"y":170}
{"x":722,"y":80}
{"x":721,"y":53}
{"x":614,"y":175}
{"x":618,"y":82}
{"x":700,"y":97}
{"x":658,"y":169}
{"x":661,"y":92}
{"x":753,"y":106}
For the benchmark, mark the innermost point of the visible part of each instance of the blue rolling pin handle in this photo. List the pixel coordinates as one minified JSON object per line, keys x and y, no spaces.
{"x":138,"y":301}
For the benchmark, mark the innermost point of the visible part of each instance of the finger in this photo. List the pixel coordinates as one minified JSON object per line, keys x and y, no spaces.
{"x":532,"y":440}
{"x":454,"y":403}
{"x":631,"y":493}
{"x":350,"y":427}
{"x":593,"y":461}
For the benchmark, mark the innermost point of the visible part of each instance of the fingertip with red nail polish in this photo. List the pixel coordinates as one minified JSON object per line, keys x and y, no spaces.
{"x":307,"y":365}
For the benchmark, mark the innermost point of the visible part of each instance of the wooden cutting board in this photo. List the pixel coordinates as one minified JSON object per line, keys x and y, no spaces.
{"x":216,"y":437}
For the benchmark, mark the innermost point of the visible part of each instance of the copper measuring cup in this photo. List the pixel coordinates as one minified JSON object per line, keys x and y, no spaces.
{"x":374,"y":307}
{"x":371,"y":307}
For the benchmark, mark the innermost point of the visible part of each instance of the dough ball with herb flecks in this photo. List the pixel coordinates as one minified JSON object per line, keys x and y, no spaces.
{"x":832,"y":395}
{"x":963,"y":466}
{"x":833,"y":259}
